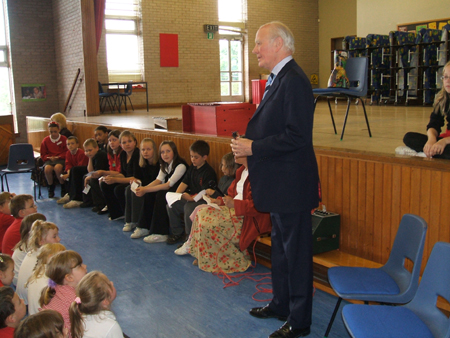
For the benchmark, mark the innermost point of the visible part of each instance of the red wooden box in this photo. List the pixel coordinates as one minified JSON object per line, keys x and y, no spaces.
{"x":258,"y":88}
{"x":220,"y":119}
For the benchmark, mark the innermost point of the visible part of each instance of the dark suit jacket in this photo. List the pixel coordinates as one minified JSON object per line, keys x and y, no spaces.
{"x":283,"y":168}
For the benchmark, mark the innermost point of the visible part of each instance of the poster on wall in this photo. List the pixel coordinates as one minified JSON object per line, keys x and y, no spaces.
{"x":34,"y":92}
{"x":415,"y":27}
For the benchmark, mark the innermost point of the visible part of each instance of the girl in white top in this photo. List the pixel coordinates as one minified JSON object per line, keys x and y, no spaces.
{"x":41,"y":233}
{"x":21,"y":248}
{"x":173,"y":167}
{"x":90,"y":313}
{"x":38,"y":279}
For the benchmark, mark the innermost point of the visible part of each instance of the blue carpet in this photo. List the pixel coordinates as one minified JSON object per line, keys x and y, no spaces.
{"x":160,"y":294}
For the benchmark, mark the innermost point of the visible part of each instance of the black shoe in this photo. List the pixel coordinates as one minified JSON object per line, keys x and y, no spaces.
{"x":101,"y":211}
{"x":286,"y":331}
{"x":265,"y":312}
{"x":96,"y":209}
{"x":51,"y":191}
{"x":173,"y":239}
{"x":85,"y":205}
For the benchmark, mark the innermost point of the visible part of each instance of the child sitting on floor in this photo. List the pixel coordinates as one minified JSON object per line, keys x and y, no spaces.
{"x":171,"y":173}
{"x":53,"y":153}
{"x":21,"y":206}
{"x":138,"y":209}
{"x":75,"y":157}
{"x":12,"y":310}
{"x":65,"y":271}
{"x":41,"y":233}
{"x":197,"y":178}
{"x":6,"y":270}
{"x":38,"y":280}
{"x":101,"y":136}
{"x":48,"y":324}
{"x":21,"y":248}
{"x":5,"y":214}
{"x":90,"y":313}
{"x":95,"y":196}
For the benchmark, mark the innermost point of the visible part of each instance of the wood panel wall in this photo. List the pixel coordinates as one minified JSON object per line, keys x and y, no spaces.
{"x":371,"y":192}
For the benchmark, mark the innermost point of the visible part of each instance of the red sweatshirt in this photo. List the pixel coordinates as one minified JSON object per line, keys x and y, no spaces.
{"x":5,"y":222}
{"x":49,"y":148}
{"x":79,"y":159}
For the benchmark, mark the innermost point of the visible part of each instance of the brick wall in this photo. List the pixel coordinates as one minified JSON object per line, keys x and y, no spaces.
{"x":301,"y":16}
{"x":32,"y":51}
{"x":69,"y":55}
{"x":197,"y":77}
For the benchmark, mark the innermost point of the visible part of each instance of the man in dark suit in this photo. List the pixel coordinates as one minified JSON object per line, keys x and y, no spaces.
{"x":284,"y":177}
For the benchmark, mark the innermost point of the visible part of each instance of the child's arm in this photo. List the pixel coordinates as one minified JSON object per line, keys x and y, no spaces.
{"x":181,"y":189}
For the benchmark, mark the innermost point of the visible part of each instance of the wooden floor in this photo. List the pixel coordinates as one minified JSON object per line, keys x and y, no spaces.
{"x":388,"y":124}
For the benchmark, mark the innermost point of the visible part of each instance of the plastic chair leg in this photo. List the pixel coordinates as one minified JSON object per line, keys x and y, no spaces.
{"x":345,"y":119}
{"x":333,"y":316}
{"x":367,"y":120}
{"x":331,"y":114}
{"x":130,"y":102}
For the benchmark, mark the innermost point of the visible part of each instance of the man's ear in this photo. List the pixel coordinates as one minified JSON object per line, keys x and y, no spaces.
{"x":278,"y":43}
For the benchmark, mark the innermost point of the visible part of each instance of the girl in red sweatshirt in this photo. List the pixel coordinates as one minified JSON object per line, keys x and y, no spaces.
{"x":53,"y":153}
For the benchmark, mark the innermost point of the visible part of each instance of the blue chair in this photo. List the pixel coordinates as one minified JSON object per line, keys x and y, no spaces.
{"x":109,"y":99}
{"x":126,"y":94}
{"x":357,"y":73}
{"x":392,"y":283}
{"x":420,"y":318}
{"x":20,"y":160}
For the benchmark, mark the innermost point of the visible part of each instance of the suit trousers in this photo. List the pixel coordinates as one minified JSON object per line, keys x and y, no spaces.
{"x":292,"y":267}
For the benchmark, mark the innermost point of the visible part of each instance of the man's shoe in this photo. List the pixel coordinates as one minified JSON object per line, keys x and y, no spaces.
{"x":86,"y":205}
{"x":286,"y":331}
{"x":265,"y":312}
{"x":173,"y":239}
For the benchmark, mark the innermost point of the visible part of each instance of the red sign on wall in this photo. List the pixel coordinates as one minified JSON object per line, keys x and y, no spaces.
{"x":168,"y":46}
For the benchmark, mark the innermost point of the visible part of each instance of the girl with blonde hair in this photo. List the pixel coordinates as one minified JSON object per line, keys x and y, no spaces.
{"x":434,"y":143}
{"x":90,"y":313}
{"x":41,"y":233}
{"x":38,"y":280}
{"x":21,"y":248}
{"x":139,"y":210}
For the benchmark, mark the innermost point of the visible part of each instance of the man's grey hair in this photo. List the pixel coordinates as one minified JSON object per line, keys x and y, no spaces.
{"x":279,"y":29}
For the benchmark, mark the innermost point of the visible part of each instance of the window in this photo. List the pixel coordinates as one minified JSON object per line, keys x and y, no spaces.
{"x":123,"y":40}
{"x":231,"y":34}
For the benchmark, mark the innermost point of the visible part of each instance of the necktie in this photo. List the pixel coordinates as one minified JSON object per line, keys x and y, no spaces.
{"x":268,"y":84}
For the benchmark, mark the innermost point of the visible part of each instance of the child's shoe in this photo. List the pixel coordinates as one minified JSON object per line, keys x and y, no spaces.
{"x":139,"y":232}
{"x":72,"y":204}
{"x":183,"y":250}
{"x":128,"y":227}
{"x":64,"y":200}
{"x":155,"y":238}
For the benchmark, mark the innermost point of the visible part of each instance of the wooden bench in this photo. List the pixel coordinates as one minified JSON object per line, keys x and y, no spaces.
{"x":322,"y":262}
